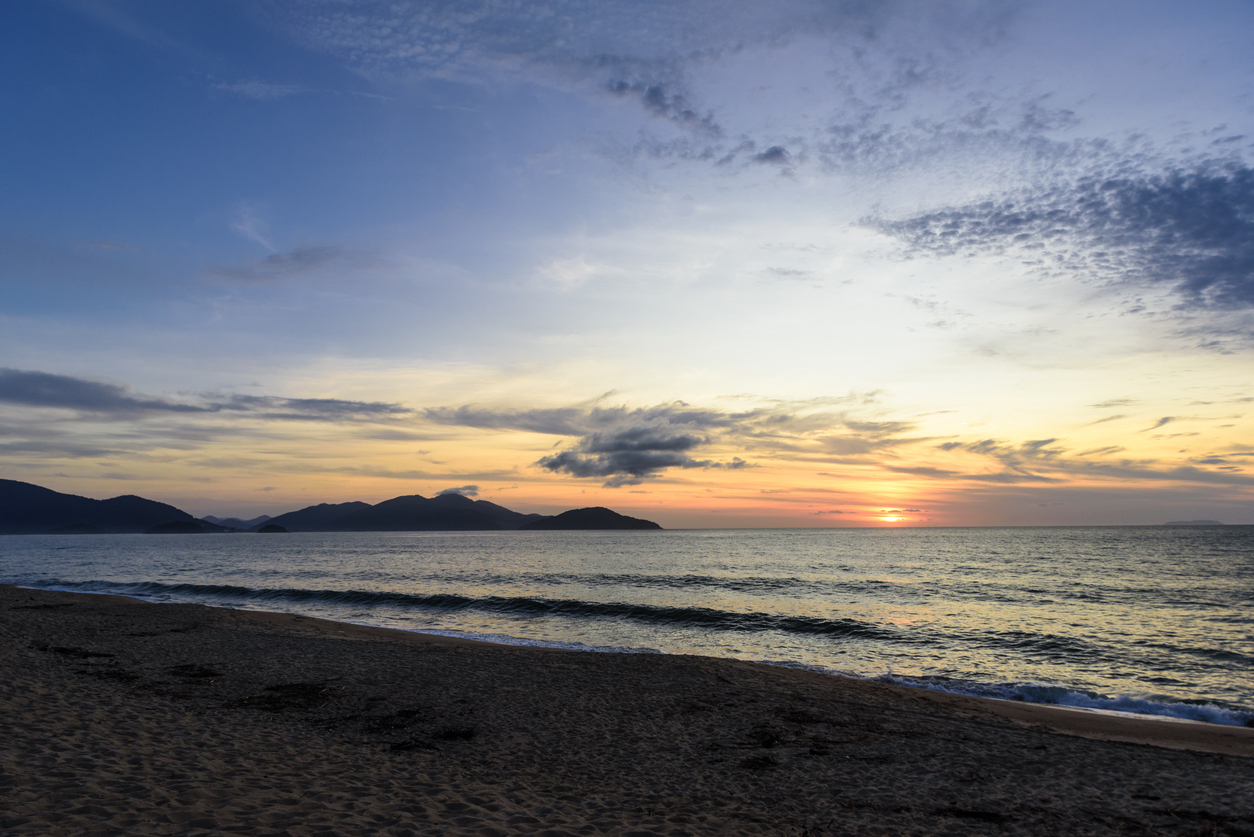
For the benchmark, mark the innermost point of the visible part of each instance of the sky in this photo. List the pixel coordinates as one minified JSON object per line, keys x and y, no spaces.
{"x":715,"y":263}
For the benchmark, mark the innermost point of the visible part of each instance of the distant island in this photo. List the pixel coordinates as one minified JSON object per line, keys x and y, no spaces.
{"x":27,"y":509}
{"x":1194,"y":523}
{"x":596,"y":517}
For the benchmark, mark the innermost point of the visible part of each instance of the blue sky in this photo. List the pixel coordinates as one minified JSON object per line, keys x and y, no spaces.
{"x":895,"y":256}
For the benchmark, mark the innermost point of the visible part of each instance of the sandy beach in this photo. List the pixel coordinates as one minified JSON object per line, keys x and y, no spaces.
{"x":121,"y":716}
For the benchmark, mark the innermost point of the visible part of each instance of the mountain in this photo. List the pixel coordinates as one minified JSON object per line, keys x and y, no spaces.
{"x":512,"y":519}
{"x":27,"y":509}
{"x":235,"y":522}
{"x":591,"y":518}
{"x":1193,"y":523}
{"x":415,"y":513}
{"x":410,"y":513}
{"x":319,"y":518}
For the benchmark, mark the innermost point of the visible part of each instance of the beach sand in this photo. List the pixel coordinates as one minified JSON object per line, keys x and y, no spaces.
{"x":126,"y":717}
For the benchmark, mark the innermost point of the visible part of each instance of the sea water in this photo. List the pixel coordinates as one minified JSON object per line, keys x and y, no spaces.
{"x":1156,"y":620}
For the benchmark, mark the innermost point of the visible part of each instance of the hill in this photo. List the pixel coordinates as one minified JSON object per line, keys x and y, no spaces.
{"x":595,"y":517}
{"x":319,"y":518}
{"x":409,"y":513}
{"x":236,"y":523}
{"x":27,"y":509}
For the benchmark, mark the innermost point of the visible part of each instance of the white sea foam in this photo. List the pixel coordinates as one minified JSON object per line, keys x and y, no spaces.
{"x":1055,"y":695}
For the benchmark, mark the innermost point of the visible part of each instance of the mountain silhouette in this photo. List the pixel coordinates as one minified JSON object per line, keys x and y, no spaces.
{"x":236,"y":523}
{"x":27,"y":509}
{"x":596,"y":517}
{"x":319,"y":518}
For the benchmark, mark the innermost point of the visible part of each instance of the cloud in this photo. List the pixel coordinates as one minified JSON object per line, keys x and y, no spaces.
{"x":658,"y":102}
{"x":655,"y":54}
{"x":566,"y":421}
{"x":625,"y":446}
{"x":66,"y":449}
{"x":461,"y":491}
{"x":1047,"y":461}
{"x":628,"y":456}
{"x":249,"y":224}
{"x":1191,"y":231}
{"x":283,"y":265}
{"x":44,"y":389}
{"x":310,"y":409}
{"x":775,"y":154}
{"x":260,"y":90}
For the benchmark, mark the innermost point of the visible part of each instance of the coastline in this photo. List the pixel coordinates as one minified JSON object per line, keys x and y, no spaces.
{"x":376,"y":730}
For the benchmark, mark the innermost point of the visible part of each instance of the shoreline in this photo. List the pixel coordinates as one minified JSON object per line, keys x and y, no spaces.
{"x":168,"y":718}
{"x":1063,"y":723}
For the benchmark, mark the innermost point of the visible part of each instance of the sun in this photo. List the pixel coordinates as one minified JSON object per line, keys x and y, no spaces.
{"x":891,"y":518}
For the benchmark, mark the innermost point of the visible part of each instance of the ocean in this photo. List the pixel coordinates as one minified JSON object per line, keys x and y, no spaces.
{"x":1154,"y":620}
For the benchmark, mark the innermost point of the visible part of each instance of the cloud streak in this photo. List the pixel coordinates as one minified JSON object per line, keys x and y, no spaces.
{"x":115,"y":402}
{"x":278,"y":266}
{"x":627,"y":446}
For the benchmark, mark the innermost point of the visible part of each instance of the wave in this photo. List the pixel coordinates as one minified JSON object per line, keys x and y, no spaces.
{"x":703,"y":619}
{"x":1055,"y":695}
{"x":698,"y":618}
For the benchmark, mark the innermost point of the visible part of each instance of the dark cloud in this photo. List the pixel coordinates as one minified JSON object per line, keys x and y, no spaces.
{"x":628,"y":456}
{"x":311,"y":409}
{"x":775,"y":154}
{"x":921,"y":471}
{"x":283,"y":265}
{"x":43,"y":389}
{"x":625,"y":446}
{"x":1045,"y":461}
{"x":461,"y":491}
{"x":1191,"y":231}
{"x":68,"y":449}
{"x":565,"y":421}
{"x":665,"y":104}
{"x":1102,"y":451}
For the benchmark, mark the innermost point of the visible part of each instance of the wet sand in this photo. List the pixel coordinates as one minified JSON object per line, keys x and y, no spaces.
{"x":127,"y":717}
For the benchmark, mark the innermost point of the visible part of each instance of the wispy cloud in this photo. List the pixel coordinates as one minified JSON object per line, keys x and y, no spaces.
{"x":115,"y":402}
{"x":261,"y":90}
{"x":278,"y":266}
{"x":249,"y":223}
